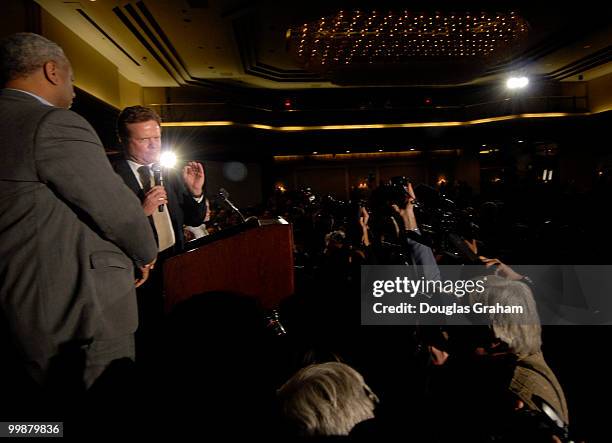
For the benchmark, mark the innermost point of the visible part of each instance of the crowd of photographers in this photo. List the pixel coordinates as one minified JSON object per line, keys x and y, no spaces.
{"x":472,"y":383}
{"x":323,"y":375}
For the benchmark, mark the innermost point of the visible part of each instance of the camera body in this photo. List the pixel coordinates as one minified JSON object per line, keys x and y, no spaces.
{"x":394,"y":192}
{"x":439,"y":218}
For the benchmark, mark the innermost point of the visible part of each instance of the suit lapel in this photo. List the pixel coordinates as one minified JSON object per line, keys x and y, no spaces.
{"x":173,"y":196}
{"x":125,"y":172}
{"x":122,"y":168}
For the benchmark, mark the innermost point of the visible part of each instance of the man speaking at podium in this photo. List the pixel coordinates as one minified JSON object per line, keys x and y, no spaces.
{"x":178,"y":201}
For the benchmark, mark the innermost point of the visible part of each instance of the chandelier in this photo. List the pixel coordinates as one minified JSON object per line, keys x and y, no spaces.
{"x":372,"y":38}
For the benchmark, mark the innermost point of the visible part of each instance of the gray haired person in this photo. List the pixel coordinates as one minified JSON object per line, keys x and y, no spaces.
{"x":327,"y":399}
{"x":521,"y":332}
{"x":533,"y":383}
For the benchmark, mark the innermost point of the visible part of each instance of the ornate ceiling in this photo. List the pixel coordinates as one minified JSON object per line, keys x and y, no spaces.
{"x":316,"y":44}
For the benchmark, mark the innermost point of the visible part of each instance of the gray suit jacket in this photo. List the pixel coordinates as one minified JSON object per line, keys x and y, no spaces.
{"x":70,"y":231}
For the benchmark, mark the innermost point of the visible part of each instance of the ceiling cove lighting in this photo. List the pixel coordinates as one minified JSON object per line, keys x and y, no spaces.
{"x":203,"y":123}
{"x":373,"y":126}
{"x":350,"y":156}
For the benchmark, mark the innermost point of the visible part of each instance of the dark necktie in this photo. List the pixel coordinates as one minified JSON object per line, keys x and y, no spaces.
{"x":145,"y":178}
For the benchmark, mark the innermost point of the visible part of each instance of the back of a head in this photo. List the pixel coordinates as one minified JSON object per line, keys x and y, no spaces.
{"x":327,"y":399}
{"x":521,"y":332}
{"x":23,"y":53}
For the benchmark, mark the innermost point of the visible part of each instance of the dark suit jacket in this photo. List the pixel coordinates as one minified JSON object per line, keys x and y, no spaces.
{"x":70,"y":231}
{"x":183,"y":208}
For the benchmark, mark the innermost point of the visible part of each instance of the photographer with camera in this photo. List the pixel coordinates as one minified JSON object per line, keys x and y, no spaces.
{"x":508,"y":391}
{"x":390,"y":231}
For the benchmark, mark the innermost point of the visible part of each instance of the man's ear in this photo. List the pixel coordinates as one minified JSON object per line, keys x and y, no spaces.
{"x":50,"y":69}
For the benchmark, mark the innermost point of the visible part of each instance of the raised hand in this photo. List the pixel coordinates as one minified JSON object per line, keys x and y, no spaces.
{"x":501,"y":269}
{"x":194,"y":177}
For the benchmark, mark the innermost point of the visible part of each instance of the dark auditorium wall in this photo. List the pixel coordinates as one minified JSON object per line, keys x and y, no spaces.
{"x":579,"y":153}
{"x":337,"y":178}
{"x":243,"y":181}
{"x":600,"y":93}
{"x":19,"y":17}
{"x":101,"y":115}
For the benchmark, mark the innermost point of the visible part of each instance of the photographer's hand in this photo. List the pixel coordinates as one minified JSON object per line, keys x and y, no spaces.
{"x":437,"y":356}
{"x":363,"y":222}
{"x":472,"y":245}
{"x":363,"y":217}
{"x":411,"y":197}
{"x":407,"y":212}
{"x":502,"y":269}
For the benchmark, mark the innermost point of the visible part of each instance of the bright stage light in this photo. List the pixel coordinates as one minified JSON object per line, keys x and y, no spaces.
{"x":517,"y":82}
{"x":167,"y":159}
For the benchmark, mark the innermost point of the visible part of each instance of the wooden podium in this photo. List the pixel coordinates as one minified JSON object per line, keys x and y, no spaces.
{"x":250,"y":260}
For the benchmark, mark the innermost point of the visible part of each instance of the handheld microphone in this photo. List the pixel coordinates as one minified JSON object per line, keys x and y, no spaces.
{"x":159,"y":179}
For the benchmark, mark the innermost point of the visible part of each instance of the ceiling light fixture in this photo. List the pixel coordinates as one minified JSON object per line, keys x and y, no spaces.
{"x":400,"y":37}
{"x":517,"y":82}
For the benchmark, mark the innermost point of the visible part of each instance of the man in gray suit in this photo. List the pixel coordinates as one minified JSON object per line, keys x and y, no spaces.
{"x":70,"y":230}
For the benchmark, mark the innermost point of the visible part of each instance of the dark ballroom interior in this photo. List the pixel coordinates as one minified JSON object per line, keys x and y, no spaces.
{"x":338,"y":138}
